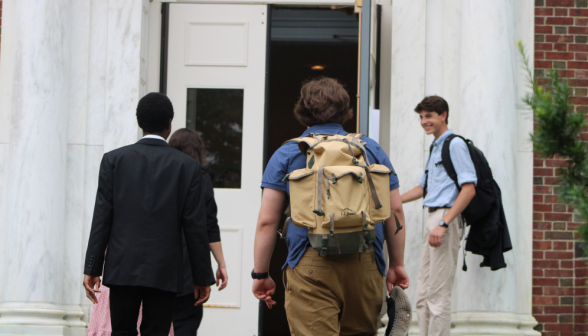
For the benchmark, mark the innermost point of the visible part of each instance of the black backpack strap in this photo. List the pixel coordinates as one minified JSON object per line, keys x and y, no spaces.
{"x":427,"y":171}
{"x":446,"y":158}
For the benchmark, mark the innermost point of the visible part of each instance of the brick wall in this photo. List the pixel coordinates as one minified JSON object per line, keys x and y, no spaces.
{"x":559,"y":273}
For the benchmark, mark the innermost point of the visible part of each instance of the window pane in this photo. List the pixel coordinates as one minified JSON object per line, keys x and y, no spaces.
{"x":217,"y":114}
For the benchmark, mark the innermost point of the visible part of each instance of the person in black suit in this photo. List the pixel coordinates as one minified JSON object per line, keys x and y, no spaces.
{"x":148,"y":193}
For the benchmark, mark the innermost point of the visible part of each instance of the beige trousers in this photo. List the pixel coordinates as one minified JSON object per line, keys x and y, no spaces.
{"x":336,"y":295}
{"x":436,"y":276}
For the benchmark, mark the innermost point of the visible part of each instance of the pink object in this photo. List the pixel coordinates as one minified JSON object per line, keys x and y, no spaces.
{"x":100,"y":317}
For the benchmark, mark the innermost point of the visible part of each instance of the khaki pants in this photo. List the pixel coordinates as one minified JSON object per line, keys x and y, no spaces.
{"x":333,"y":295}
{"x":436,"y":276}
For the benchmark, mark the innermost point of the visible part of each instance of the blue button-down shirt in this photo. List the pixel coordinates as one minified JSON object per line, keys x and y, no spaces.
{"x":289,"y":158}
{"x":441,"y":190}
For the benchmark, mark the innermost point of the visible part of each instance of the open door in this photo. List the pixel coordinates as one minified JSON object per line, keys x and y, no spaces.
{"x":216,"y":82}
{"x":368,"y":65}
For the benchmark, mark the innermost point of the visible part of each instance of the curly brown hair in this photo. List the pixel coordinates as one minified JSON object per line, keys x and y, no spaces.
{"x":322,"y":100}
{"x":188,"y":142}
{"x":433,"y":104}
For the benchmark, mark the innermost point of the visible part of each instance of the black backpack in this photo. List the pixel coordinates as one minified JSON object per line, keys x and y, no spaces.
{"x":478,"y":211}
{"x":489,"y":234}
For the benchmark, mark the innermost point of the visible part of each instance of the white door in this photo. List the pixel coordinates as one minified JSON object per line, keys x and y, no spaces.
{"x":216,"y":80}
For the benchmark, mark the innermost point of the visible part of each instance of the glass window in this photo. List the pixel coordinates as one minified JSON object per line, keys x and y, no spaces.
{"x":217,"y":115}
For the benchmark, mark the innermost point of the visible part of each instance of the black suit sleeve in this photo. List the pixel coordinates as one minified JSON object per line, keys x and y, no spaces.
{"x":211,"y":210}
{"x":101,"y":222}
{"x":195,"y":232}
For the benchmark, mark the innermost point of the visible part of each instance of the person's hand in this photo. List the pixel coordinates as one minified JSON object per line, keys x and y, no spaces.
{"x":263,"y":289}
{"x":396,"y":276}
{"x":222,"y":277}
{"x":92,"y":286}
{"x":202,"y":294}
{"x":436,"y":235}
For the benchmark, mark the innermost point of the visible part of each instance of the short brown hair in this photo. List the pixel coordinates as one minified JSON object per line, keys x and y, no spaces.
{"x":322,"y":100}
{"x":433,"y":104}
{"x":188,"y":142}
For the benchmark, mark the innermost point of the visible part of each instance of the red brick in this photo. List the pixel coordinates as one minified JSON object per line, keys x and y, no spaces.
{"x":561,"y":12}
{"x":578,"y":82}
{"x":546,"y":300}
{"x":542,"y":190}
{"x":581,"y":56}
{"x":537,"y":272}
{"x":541,"y":245}
{"x":559,"y":38}
{"x":577,"y":30}
{"x":560,"y":3}
{"x":542,"y":207}
{"x":560,"y":21}
{"x":559,"y":309}
{"x":577,"y":47}
{"x":543,"y":30}
{"x":578,"y":12}
{"x":560,"y":46}
{"x":559,"y":55}
{"x":566,"y":263}
{"x":541,"y":226}
{"x":543,"y":11}
{"x":579,"y":100}
{"x":577,"y":65}
{"x":537,"y":198}
{"x":537,"y":310}
{"x":545,"y":263}
{"x":539,"y":55}
{"x":560,"y":245}
{"x":559,"y":273}
{"x":581,"y":21}
{"x":550,"y":199}
{"x":558,"y":326}
{"x":560,"y":208}
{"x":539,"y":20}
{"x":558,"y":217}
{"x":580,"y":263}
{"x":559,"y":291}
{"x":538,"y":163}
{"x":545,"y":282}
{"x":537,"y":290}
{"x":542,"y":172}
{"x":537,"y":216}
{"x":556,"y":163}
{"x":581,"y":272}
{"x":546,"y":318}
{"x":552,"y":181}
{"x":559,"y":255}
{"x":573,"y":226}
{"x":537,"y":235}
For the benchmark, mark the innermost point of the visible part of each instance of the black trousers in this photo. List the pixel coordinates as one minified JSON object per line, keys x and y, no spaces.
{"x":187,"y":318}
{"x":125,"y":302}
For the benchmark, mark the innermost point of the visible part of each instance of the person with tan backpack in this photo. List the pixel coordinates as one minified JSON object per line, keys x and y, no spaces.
{"x":343,"y":202}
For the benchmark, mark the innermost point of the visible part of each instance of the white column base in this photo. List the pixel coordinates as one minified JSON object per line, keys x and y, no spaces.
{"x":38,"y":318}
{"x":482,"y":324}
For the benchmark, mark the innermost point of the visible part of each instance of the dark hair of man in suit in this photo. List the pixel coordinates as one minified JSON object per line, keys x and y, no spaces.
{"x":154,"y":113}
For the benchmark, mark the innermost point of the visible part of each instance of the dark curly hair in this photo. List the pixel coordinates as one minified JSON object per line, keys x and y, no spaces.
{"x":188,"y":142}
{"x":154,"y":112}
{"x":433,"y":104}
{"x":322,"y":100}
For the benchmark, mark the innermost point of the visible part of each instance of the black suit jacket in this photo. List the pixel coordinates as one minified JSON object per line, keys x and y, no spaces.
{"x":147,"y":194}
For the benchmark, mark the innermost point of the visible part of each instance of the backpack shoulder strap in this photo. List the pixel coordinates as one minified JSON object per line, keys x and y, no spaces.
{"x":446,"y":158}
{"x":427,"y":171}
{"x":303,"y":143}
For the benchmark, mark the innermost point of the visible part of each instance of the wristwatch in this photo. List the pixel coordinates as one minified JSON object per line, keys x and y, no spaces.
{"x":443,"y":224}
{"x":259,"y":275}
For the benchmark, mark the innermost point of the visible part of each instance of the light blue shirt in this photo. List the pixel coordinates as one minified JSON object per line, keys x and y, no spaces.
{"x":441,"y":190}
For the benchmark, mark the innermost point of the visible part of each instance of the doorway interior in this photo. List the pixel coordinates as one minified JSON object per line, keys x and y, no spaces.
{"x":303,"y":43}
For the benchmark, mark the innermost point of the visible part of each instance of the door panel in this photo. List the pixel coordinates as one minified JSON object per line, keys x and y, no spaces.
{"x":216,"y":79}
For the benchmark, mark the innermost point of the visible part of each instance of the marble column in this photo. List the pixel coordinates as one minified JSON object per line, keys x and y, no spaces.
{"x":35,"y":173}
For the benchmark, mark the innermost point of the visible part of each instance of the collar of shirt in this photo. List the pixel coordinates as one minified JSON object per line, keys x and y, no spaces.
{"x":330,"y":128}
{"x":153,"y":136}
{"x":442,"y":138}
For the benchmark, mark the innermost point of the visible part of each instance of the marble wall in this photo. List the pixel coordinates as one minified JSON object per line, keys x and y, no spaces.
{"x":466,"y":52}
{"x":71,"y":75}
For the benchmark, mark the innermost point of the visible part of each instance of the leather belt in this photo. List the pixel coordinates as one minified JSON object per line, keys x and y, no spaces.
{"x":433,"y":209}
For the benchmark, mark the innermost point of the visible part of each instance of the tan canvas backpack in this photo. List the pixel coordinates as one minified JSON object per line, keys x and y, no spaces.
{"x":339,"y":195}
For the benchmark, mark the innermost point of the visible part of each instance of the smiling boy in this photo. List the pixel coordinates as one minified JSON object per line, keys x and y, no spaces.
{"x":442,"y":233}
